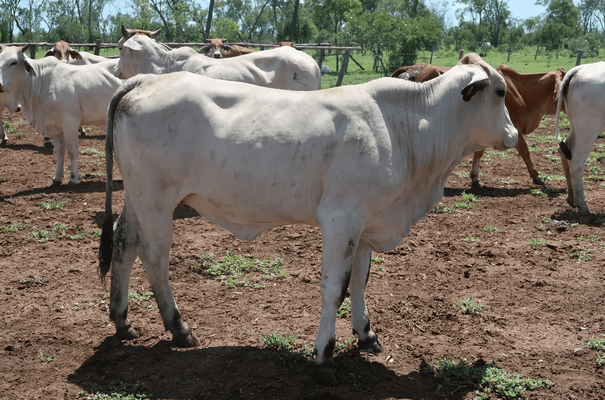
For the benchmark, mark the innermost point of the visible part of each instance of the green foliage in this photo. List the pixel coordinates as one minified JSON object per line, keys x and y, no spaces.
{"x":43,"y":358}
{"x":142,"y":298}
{"x":536,"y":242}
{"x":487,"y":379}
{"x":13,"y":227}
{"x":469,"y":307}
{"x":345,"y":308}
{"x":236,"y":270}
{"x":93,"y":151}
{"x":122,"y":391}
{"x":582,"y":254}
{"x":488,"y":228}
{"x":52,"y":204}
{"x":470,"y":239}
{"x":278,"y":341}
{"x":60,"y":231}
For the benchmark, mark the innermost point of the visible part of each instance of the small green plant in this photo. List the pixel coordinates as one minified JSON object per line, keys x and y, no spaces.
{"x":470,"y":239}
{"x":488,"y":228}
{"x":377,"y":260}
{"x":122,"y":391}
{"x":13,"y":227}
{"x":52,"y":204}
{"x":236,"y":270}
{"x":537,"y":192}
{"x":468,"y":201}
{"x":47,"y":235}
{"x":93,"y":151}
{"x":547,"y":178}
{"x":19,"y":135}
{"x":45,"y":359}
{"x":278,"y":340}
{"x":487,"y":379}
{"x":142,"y":298}
{"x":440,"y":208}
{"x":536,"y":242}
{"x":591,"y":238}
{"x":345,"y":308}
{"x":582,"y":254}
{"x":469,"y":307}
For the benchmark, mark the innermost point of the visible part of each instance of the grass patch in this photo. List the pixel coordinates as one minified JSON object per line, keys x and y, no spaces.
{"x":442,"y":209}
{"x":582,"y":254}
{"x":488,"y":228}
{"x":142,"y":298}
{"x":490,"y":155}
{"x":486,"y":379}
{"x":122,"y":391}
{"x":591,"y":238}
{"x":599,"y":346}
{"x":235,"y":270}
{"x":278,"y":341}
{"x":345,"y":308}
{"x":468,"y":306}
{"x":60,"y":231}
{"x":546,"y":178}
{"x":93,"y":151}
{"x":52,"y":204}
{"x":470,"y":239}
{"x":13,"y":227}
{"x":468,"y":201}
{"x":536,"y":242}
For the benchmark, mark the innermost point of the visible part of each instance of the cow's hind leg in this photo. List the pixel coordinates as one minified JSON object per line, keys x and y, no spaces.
{"x":124,"y":253}
{"x":359,"y":315}
{"x":339,"y":238}
{"x":475,"y":169}
{"x":60,"y":150}
{"x":155,"y":253}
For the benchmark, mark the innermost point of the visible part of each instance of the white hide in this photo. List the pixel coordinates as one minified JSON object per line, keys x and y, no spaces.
{"x":582,"y":90}
{"x":281,"y":68}
{"x":363,"y":163}
{"x":58,"y":97}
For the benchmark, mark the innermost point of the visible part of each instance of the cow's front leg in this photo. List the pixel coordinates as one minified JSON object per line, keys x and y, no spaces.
{"x":2,"y":132}
{"x":339,"y":240}
{"x":59,"y":141}
{"x":124,"y":253}
{"x":155,"y":257}
{"x":72,"y":152}
{"x":359,"y":315}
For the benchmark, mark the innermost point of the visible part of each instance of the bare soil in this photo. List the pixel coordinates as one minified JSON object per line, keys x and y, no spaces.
{"x":534,"y":264}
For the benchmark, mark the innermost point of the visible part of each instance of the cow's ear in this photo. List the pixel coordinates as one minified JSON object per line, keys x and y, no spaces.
{"x":155,"y":34}
{"x":132,"y":44}
{"x":25,"y":48}
{"x":28,"y":67}
{"x":474,"y":87}
{"x":49,"y":52}
{"x":74,"y":54}
{"x":227,"y":47}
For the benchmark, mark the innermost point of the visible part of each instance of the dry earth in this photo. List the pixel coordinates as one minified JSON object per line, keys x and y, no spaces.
{"x":535,"y":265}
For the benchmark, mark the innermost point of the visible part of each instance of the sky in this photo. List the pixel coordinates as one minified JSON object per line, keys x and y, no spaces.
{"x":520,"y":9}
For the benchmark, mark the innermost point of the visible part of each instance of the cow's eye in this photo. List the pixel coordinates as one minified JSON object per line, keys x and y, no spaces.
{"x":501,"y":92}
{"x":13,"y":63}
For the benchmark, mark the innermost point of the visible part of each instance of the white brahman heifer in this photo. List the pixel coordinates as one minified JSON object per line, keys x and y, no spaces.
{"x":582,"y":91}
{"x":6,"y":101}
{"x":57,"y":98}
{"x":281,"y":68}
{"x":363,"y":163}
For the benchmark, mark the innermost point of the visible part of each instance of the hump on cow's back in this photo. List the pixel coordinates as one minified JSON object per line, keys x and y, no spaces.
{"x":471,"y":58}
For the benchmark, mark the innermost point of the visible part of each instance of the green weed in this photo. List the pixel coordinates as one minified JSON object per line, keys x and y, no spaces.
{"x":488,"y":228}
{"x":536,"y":242}
{"x":582,"y":254}
{"x":345,"y":308}
{"x":13,"y":227}
{"x":278,"y":340}
{"x":236,"y":270}
{"x":93,"y":151}
{"x":142,"y":298}
{"x":43,"y":358}
{"x":470,"y":239}
{"x":52,"y":204}
{"x":440,"y":208}
{"x":486,"y":379}
{"x":469,"y":307}
{"x":122,"y":391}
{"x":591,"y":238}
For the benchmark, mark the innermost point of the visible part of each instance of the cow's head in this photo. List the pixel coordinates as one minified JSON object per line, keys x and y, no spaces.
{"x":14,"y":68}
{"x":214,"y":48}
{"x":131,"y":47}
{"x":63,"y":51}
{"x":486,"y":112}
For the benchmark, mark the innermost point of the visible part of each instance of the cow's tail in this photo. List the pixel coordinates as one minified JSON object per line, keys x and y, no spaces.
{"x":106,"y":246}
{"x":560,"y":99}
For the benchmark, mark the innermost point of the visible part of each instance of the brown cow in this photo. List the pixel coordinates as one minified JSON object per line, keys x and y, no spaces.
{"x":216,"y":48}
{"x":528,"y":98}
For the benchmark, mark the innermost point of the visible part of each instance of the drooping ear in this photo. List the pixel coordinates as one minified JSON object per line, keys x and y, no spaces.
{"x":28,"y":67}
{"x":74,"y":54}
{"x":50,"y":52}
{"x":155,"y":34}
{"x":477,"y":84}
{"x":2,"y":47}
{"x":133,"y":44}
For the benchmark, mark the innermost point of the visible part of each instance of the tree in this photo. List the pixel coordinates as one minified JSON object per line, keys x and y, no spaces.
{"x":561,"y":23}
{"x":331,"y":14}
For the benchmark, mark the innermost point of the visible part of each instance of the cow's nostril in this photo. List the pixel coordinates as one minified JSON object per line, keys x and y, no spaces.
{"x":217,"y":56}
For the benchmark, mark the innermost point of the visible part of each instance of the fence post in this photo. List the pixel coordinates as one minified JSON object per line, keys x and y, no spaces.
{"x":430,"y":62}
{"x":579,"y":59}
{"x":509,"y":51}
{"x":98,"y":47}
{"x":343,"y":69}
{"x":32,"y":51}
{"x":460,"y":54}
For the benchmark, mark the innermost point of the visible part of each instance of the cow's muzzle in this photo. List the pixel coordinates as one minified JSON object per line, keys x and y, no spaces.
{"x":217,"y":55}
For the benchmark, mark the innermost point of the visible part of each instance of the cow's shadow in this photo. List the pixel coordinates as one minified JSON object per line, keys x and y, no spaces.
{"x":83,"y":187}
{"x":40,"y":149}
{"x":232,"y":372}
{"x":488,"y":191}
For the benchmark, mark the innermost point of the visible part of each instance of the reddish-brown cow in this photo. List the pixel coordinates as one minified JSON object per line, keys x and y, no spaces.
{"x":216,"y":48}
{"x":528,"y":98}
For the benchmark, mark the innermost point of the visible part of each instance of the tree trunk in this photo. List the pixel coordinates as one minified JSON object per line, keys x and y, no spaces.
{"x":256,"y":21}
{"x":293,"y":29}
{"x":209,"y":21}
{"x":90,"y":38}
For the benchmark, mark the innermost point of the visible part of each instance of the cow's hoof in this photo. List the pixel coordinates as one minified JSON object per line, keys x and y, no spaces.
{"x":188,"y":339}
{"x":72,"y":185}
{"x":55,"y":183}
{"x":539,"y":181}
{"x":371,"y":343}
{"x":48,"y":144}
{"x":476,"y":185}
{"x":127,"y":334}
{"x":4,"y":142}
{"x":325,"y":376}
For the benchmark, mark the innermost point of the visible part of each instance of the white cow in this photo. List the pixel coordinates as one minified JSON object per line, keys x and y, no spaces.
{"x":363,"y":163}
{"x":282,"y":68}
{"x":58,"y":98}
{"x":582,"y":90}
{"x":62,"y":51}
{"x":6,"y":102}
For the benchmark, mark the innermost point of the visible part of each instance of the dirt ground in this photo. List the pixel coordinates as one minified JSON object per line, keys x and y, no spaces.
{"x":535,"y":265}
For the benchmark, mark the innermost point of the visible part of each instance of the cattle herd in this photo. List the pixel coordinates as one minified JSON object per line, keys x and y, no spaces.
{"x":264,"y":147}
